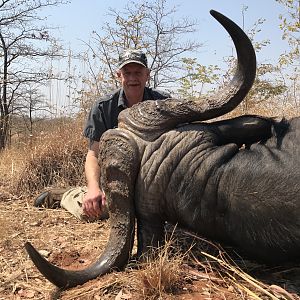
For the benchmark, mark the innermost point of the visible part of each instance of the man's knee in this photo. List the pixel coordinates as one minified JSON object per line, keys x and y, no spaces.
{"x":72,"y":201}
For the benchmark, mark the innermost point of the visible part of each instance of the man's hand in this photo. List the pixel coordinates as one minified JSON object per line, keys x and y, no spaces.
{"x":94,"y":203}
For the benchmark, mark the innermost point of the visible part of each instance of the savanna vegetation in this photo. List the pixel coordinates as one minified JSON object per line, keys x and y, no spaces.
{"x":40,"y":149}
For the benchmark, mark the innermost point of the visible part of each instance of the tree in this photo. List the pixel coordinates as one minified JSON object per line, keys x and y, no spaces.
{"x":144,"y":25}
{"x":289,"y":61}
{"x":31,"y":107}
{"x":195,"y":77}
{"x":23,"y":43}
{"x":290,"y":26}
{"x":268,"y":82}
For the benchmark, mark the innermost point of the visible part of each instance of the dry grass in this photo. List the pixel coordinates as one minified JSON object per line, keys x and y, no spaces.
{"x":55,"y":158}
{"x":153,"y":279}
{"x":160,"y":274}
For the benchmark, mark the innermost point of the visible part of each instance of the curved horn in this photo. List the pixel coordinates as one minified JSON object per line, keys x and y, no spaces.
{"x":150,"y":119}
{"x":118,"y":182}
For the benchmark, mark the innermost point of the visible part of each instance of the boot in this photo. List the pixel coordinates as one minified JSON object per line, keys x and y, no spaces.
{"x":50,"y":198}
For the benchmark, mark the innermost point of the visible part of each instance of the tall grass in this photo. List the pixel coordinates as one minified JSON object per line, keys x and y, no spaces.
{"x":54,"y":158}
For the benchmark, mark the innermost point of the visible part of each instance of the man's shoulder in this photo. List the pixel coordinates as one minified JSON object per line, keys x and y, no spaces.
{"x":158,"y":93}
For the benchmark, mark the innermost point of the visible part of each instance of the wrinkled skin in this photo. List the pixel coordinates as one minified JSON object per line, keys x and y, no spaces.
{"x":236,"y":180}
{"x":196,"y":176}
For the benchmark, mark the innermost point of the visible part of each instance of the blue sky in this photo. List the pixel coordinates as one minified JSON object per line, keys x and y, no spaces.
{"x":79,"y":18}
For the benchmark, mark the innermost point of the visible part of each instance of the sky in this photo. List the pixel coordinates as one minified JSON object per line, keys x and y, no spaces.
{"x":79,"y":18}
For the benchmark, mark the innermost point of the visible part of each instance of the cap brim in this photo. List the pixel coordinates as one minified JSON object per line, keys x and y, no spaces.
{"x":131,"y":61}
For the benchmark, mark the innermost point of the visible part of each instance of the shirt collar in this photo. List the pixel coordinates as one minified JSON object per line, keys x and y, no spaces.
{"x":122,"y":97}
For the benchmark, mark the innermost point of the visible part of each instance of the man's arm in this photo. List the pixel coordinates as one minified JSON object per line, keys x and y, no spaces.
{"x":95,"y":198}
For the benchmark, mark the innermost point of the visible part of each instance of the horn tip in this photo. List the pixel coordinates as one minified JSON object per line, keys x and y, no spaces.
{"x":29,"y":248}
{"x":213,"y":12}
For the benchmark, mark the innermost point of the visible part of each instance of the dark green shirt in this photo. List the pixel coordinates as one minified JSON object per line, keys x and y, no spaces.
{"x":104,"y":114}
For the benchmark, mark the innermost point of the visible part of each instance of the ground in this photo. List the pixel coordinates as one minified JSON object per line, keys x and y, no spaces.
{"x":70,"y":243}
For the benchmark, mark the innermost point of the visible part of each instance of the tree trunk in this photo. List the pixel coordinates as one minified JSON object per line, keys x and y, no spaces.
{"x":4,"y":113}
{"x":4,"y":126}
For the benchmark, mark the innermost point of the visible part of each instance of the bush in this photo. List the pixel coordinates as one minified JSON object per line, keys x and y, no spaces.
{"x":55,"y":158}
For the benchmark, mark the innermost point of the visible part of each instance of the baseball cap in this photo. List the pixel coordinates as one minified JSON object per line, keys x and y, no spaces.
{"x":132,"y":56}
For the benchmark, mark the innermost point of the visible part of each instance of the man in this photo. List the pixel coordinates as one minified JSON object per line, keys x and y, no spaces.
{"x":89,"y":203}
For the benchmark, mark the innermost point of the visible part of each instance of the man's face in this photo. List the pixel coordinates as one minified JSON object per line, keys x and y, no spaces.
{"x":133,"y":78}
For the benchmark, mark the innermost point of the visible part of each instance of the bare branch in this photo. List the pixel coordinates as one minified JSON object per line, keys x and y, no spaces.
{"x":23,"y":45}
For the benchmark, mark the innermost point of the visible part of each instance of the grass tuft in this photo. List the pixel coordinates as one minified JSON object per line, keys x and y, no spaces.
{"x":161,"y":273}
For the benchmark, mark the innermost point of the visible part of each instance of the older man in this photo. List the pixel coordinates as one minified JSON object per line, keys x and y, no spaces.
{"x":89,"y":202}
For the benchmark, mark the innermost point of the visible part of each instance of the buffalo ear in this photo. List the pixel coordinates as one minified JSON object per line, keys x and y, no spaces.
{"x":246,"y":129}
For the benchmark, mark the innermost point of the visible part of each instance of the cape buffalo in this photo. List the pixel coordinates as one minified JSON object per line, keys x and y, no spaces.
{"x":236,"y":180}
